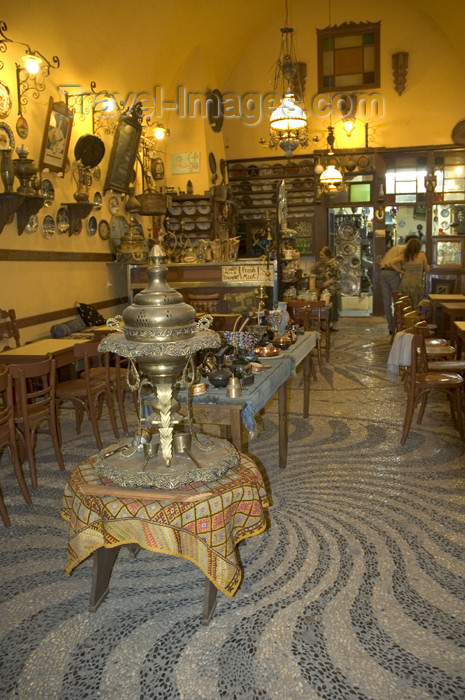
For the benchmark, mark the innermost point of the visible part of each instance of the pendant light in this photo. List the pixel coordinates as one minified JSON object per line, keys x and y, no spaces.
{"x":288,"y":122}
{"x":331,"y":178}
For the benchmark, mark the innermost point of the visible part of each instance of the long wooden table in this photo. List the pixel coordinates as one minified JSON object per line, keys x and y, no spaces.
{"x":452,"y":311}
{"x":214,"y":408}
{"x":60,"y":348}
{"x":437,"y":299}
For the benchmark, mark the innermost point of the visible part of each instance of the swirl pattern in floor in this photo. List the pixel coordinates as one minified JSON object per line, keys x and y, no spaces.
{"x":356,"y":590}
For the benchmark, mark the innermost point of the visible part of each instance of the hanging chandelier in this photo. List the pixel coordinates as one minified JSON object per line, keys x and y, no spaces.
{"x":288,"y":122}
{"x":331,"y":178}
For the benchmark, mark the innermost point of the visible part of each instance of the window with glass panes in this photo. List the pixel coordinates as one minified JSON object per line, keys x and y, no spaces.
{"x":348,"y":57}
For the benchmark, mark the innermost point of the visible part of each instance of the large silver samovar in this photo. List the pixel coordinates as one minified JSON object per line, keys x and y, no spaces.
{"x":160,"y":335}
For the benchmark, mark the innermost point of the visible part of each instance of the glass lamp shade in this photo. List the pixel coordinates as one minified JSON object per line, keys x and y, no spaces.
{"x":288,"y":115}
{"x":159,"y":132}
{"x":331,"y":176}
{"x":31,"y":63}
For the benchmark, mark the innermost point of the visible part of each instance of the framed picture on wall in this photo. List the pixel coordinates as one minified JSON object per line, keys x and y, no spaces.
{"x":448,"y":251}
{"x":55,"y":141}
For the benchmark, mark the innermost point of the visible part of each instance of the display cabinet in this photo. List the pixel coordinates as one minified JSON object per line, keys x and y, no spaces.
{"x":254,"y":189}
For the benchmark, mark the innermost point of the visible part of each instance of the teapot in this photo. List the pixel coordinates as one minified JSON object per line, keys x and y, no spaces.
{"x":282,"y":342}
{"x":220,"y":376}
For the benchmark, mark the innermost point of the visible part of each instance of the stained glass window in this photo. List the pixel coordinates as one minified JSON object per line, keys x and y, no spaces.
{"x":348,"y":57}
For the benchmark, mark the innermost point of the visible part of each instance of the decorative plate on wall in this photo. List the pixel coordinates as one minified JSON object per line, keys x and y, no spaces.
{"x":114,"y":205}
{"x":48,"y":226}
{"x":5,"y":100}
{"x":22,"y":128}
{"x":48,"y":192}
{"x":347,"y":231}
{"x":98,"y":201}
{"x":33,"y":224}
{"x":104,"y":230}
{"x":92,"y":226}
{"x":62,"y":220}
{"x":7,"y":140}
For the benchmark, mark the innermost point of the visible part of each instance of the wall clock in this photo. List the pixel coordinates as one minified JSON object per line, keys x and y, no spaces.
{"x":458,"y":133}
{"x":215,"y":114}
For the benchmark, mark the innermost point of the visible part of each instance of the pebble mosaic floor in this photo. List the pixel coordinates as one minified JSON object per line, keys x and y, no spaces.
{"x":356,"y":590}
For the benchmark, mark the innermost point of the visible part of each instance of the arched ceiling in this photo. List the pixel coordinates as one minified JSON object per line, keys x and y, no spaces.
{"x":140,"y":37}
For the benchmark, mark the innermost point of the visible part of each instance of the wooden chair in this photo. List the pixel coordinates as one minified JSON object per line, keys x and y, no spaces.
{"x":87,"y":393}
{"x":310,"y":317}
{"x":117,"y":372}
{"x":421,"y":381}
{"x":8,"y":438}
{"x":9,"y":328}
{"x":35,"y":403}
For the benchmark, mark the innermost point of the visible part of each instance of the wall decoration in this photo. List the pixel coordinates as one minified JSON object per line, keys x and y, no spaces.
{"x":183,"y":163}
{"x":22,"y":128}
{"x":7,"y":140}
{"x":56,"y":137}
{"x":124,"y":151}
{"x":5,"y":100}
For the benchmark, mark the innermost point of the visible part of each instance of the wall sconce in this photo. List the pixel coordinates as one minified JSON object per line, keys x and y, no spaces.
{"x":160,"y":132}
{"x":399,"y":70}
{"x":105,"y":112}
{"x":348,"y":124}
{"x":430,"y":180}
{"x":31,"y":75}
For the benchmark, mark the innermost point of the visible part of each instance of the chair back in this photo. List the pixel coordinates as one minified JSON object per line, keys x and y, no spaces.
{"x":7,"y":426}
{"x":92,"y":358}
{"x":306,"y":312}
{"x":419,"y":358}
{"x":8,"y":327}
{"x":33,"y":390}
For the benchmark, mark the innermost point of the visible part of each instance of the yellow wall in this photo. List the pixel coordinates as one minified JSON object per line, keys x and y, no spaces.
{"x":231,"y":46}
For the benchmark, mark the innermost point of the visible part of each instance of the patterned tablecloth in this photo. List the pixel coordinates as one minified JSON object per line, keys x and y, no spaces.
{"x":205,"y":532}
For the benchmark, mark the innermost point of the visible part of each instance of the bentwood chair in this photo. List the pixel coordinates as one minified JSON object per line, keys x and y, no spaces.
{"x":35,"y":404}
{"x":8,"y":438}
{"x":9,"y":328}
{"x":117,"y":374}
{"x":421,"y":381}
{"x":87,"y":393}
{"x":313,"y":315}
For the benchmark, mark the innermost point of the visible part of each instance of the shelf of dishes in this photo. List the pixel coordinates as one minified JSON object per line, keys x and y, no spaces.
{"x":269,"y":169}
{"x":448,"y":219}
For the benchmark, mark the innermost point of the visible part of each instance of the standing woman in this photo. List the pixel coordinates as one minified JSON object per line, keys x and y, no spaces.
{"x":412,"y":265}
{"x":328,"y":276}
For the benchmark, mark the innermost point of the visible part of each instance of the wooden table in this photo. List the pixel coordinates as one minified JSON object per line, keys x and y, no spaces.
{"x":453,"y":311}
{"x":62,"y":349}
{"x":214,"y":408}
{"x":206,"y":532}
{"x":436,"y":299}
{"x":460,"y":334}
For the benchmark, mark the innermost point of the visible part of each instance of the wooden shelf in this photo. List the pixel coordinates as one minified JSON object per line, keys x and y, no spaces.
{"x":23,"y":205}
{"x":76,"y":212}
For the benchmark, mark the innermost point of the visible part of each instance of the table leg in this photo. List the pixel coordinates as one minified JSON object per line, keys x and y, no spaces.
{"x":328,"y":338}
{"x":452,"y":329}
{"x":282,"y":411}
{"x":459,"y":346}
{"x":104,"y":560}
{"x":306,"y":372}
{"x":209,"y":602}
{"x":443,"y":324}
{"x":236,"y":428}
